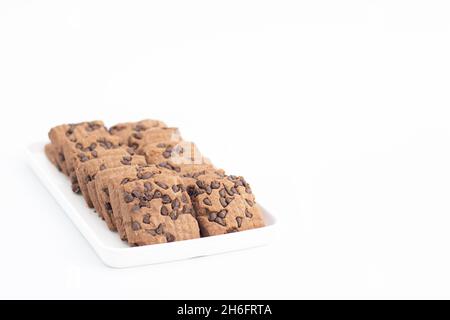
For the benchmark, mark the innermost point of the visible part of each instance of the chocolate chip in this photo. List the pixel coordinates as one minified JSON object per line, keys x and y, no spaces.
{"x":79,"y":146}
{"x":230,"y":192}
{"x":146,"y":175}
{"x":174,"y":215}
{"x":133,"y":146}
{"x":175,"y":188}
{"x":135,"y":226}
{"x":220,"y":221}
{"x":239,"y":221}
{"x":238,"y":184}
{"x":222,"y":214}
{"x":233,"y":230}
{"x":223,"y":202}
{"x":136,"y":208}
{"x":207,"y":201}
{"x":102,"y":167}
{"x":146,"y":219}
{"x":164,"y":211}
{"x":165,"y":165}
{"x":128,"y":197}
{"x":148,"y":186}
{"x":212,"y":216}
{"x":167,"y":154}
{"x":140,"y":127}
{"x":147,"y":196}
{"x":162,"y":185}
{"x":223,"y":193}
{"x":184,"y":199}
{"x":125,"y":181}
{"x":250,"y":202}
{"x":157,"y":194}
{"x":161,"y":145}
{"x":166,"y":199}
{"x":131,"y":151}
{"x":70,"y":131}
{"x":76,"y":188}
{"x":229,"y":200}
{"x":160,"y":229}
{"x":143,"y":203}
{"x":92,"y":146}
{"x":175,"y":204}
{"x":208,"y":190}
{"x":94,"y":154}
{"x":91,"y":126}
{"x":136,"y":193}
{"x":200,"y":184}
{"x":83,"y":157}
{"x":248,"y":214}
{"x":138,"y":135}
{"x":170,"y":237}
{"x":125,"y":161}
{"x":215,"y":185}
{"x":192,"y":192}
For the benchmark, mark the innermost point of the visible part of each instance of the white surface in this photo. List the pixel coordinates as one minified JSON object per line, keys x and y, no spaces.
{"x":116,"y":253}
{"x":337,"y":112}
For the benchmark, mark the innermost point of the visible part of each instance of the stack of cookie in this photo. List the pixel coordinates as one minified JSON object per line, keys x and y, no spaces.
{"x":150,"y":185}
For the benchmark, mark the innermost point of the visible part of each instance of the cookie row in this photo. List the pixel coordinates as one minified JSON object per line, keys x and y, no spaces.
{"x":150,"y":185}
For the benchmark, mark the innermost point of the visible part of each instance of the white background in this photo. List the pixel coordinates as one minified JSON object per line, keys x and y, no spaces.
{"x":337,"y":112}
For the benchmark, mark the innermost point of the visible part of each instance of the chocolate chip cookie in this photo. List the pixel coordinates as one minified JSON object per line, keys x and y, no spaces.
{"x":173,"y":155}
{"x":157,"y":210}
{"x":127,"y":129}
{"x":108,"y":183}
{"x":153,"y":135}
{"x":70,"y":133}
{"x":87,"y":171}
{"x":225,"y":205}
{"x":88,"y":148}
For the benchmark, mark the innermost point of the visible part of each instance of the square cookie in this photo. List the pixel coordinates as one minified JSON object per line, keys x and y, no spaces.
{"x":173,"y":155}
{"x":125,"y":130}
{"x":70,"y":133}
{"x":225,"y":205}
{"x":157,"y":210}
{"x":107,"y":184}
{"x":87,"y":171}
{"x":90,"y":147}
{"x":153,"y":135}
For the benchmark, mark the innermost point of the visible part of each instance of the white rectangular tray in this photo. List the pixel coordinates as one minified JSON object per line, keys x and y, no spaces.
{"x":116,"y":253}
